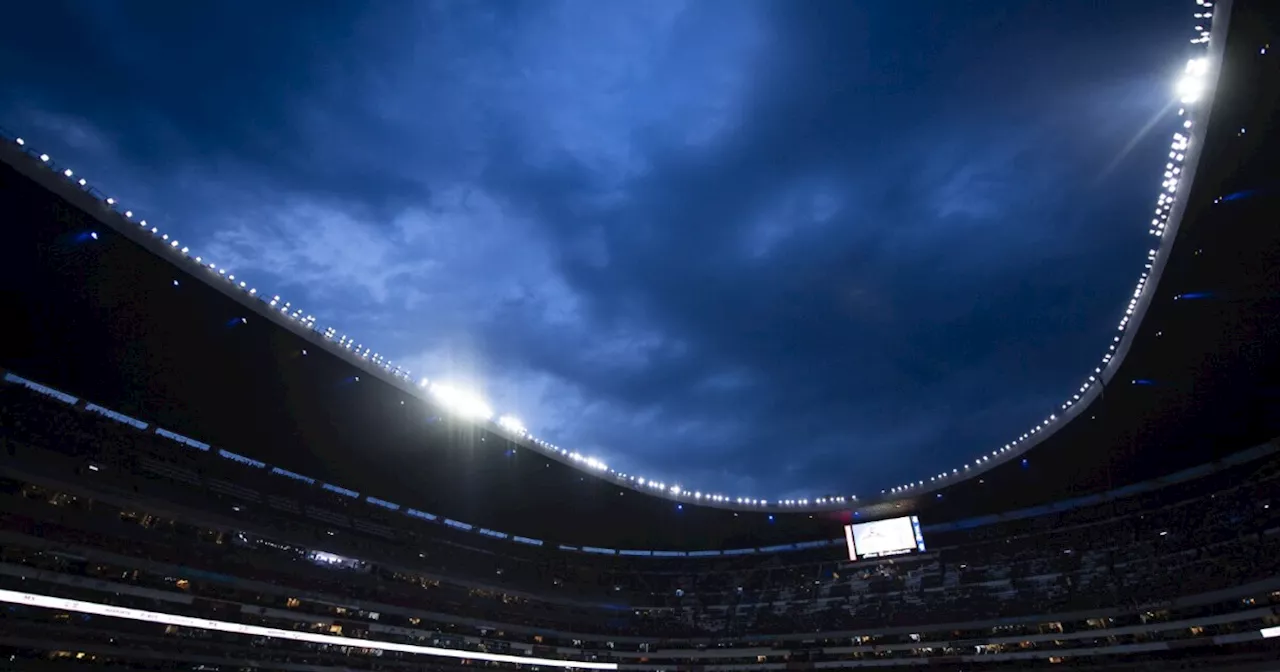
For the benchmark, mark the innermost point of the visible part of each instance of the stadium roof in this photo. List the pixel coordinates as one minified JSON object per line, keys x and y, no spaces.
{"x":106,"y":309}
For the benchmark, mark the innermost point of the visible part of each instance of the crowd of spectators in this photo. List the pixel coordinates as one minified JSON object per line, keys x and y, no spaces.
{"x":127,"y":583}
{"x":134,"y":493}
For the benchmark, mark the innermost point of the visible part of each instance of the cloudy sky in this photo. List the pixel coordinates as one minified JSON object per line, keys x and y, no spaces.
{"x":767,"y":248}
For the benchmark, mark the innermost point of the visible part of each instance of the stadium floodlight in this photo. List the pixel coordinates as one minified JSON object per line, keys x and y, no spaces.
{"x":20,"y":141}
{"x":67,"y":172}
{"x":1191,"y":87}
{"x":463,"y":403}
{"x":512,"y":424}
{"x":44,"y":157}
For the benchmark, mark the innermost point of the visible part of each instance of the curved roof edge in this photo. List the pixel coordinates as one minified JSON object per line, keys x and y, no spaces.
{"x":1158,"y":260}
{"x":45,"y":172}
{"x":1204,"y":470}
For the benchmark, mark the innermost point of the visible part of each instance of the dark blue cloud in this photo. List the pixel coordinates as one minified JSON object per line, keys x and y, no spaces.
{"x":760,"y":247}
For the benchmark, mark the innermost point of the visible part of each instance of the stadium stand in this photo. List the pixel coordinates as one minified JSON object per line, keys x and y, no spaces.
{"x":151,"y":517}
{"x":97,"y":510}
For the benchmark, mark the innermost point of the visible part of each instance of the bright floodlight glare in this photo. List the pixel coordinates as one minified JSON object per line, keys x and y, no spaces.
{"x":1191,"y":86}
{"x":512,"y":424}
{"x":462,"y":403}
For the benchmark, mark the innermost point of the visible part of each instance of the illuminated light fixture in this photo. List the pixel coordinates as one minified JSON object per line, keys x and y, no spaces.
{"x":512,"y":424}
{"x":463,"y":403}
{"x":1191,"y":87}
{"x":20,"y":141}
{"x":67,"y":172}
{"x":82,"y":182}
{"x":44,"y":157}
{"x":128,"y":213}
{"x":126,"y":613}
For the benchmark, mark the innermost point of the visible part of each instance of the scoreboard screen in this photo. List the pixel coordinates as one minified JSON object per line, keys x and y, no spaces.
{"x":880,"y":538}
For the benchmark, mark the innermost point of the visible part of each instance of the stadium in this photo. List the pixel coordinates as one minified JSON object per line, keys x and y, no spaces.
{"x":199,"y":476}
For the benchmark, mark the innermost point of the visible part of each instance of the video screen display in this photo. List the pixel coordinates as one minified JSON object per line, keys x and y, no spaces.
{"x":880,"y":538}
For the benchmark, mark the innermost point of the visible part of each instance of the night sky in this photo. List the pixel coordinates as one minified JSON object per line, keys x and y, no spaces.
{"x":765,"y":248}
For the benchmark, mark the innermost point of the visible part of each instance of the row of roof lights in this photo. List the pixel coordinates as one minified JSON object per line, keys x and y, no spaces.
{"x":460,"y":402}
{"x":472,"y":407}
{"x":1190,"y":88}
